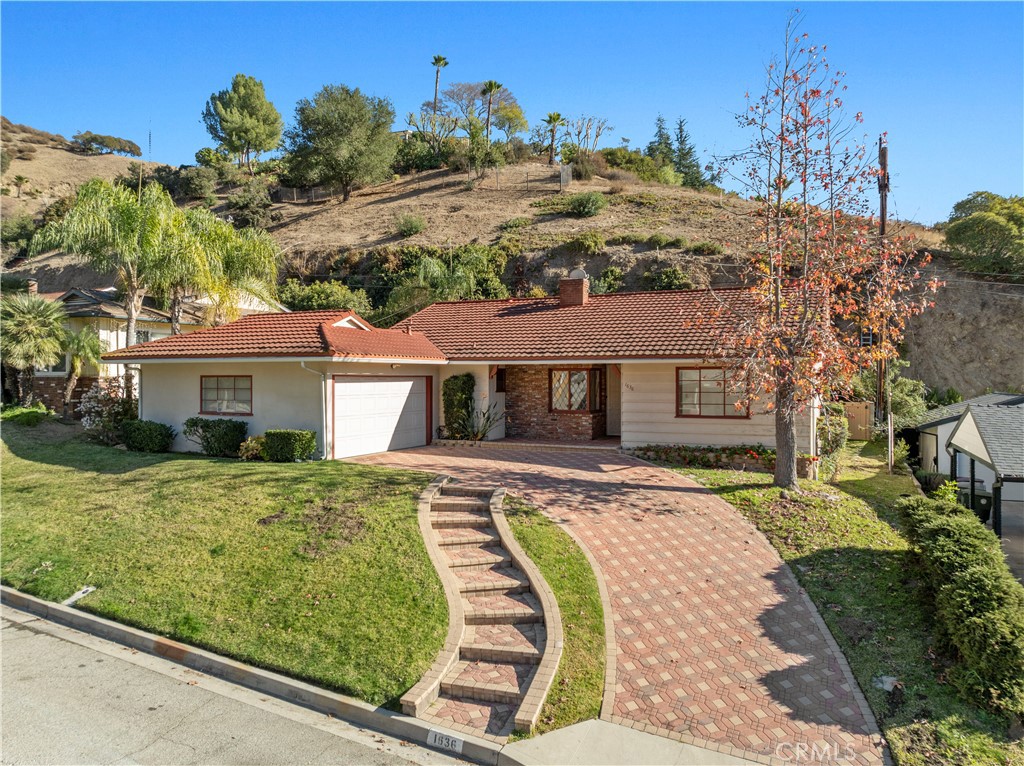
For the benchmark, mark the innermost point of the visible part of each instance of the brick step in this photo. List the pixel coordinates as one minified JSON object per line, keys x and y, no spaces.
{"x":524,"y":640}
{"x":460,"y":519}
{"x":488,"y":681}
{"x":477,"y":558}
{"x":444,"y":503}
{"x":494,"y":718}
{"x":502,"y":609}
{"x":501,"y":579}
{"x":466,"y":537}
{"x":466,"y":490}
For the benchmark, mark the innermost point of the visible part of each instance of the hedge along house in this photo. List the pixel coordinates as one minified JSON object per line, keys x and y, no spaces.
{"x":627,"y":368}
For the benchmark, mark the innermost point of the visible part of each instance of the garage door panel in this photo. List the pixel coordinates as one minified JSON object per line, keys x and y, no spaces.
{"x":376,"y":414}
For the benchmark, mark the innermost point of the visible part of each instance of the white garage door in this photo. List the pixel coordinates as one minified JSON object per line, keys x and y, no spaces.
{"x":376,"y":414}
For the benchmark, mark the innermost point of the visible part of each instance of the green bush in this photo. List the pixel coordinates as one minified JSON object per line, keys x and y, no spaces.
{"x":670,"y":278}
{"x":30,"y":416}
{"x":587,"y":243}
{"x":947,"y":492}
{"x":833,"y":433}
{"x":929,"y":480}
{"x":586,"y":205}
{"x":610,"y":281}
{"x":253,"y":448}
{"x":582,"y":168}
{"x":319,"y":296}
{"x":979,"y":606}
{"x":457,"y":400}
{"x":900,"y":453}
{"x":515,"y":223}
{"x":288,"y":445}
{"x":218,"y":437}
{"x":105,"y":408}
{"x":409,"y":224}
{"x":706,"y":248}
{"x":148,"y":436}
{"x":250,"y":207}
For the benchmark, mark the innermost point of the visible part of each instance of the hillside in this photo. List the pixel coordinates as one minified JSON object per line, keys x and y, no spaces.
{"x":970,"y":341}
{"x":52,"y":169}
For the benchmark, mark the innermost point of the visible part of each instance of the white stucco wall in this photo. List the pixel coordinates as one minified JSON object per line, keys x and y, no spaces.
{"x":649,"y":416}
{"x":284,"y":395}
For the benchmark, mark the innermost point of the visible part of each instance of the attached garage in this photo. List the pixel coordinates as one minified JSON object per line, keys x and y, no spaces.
{"x":374,"y":413}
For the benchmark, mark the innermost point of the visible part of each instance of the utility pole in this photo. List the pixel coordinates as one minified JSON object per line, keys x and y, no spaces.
{"x":883,"y":396}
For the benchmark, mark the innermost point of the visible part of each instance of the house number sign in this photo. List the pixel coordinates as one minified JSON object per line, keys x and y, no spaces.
{"x":444,"y":741}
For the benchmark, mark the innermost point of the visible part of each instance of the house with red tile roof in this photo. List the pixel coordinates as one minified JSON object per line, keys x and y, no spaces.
{"x":632,"y":367}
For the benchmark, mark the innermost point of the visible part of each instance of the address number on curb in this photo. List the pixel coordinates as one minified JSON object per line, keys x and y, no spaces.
{"x":444,"y":741}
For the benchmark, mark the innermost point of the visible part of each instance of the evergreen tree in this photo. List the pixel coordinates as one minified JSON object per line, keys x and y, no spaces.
{"x":660,"y":149}
{"x":242,"y":120}
{"x":685,"y":160}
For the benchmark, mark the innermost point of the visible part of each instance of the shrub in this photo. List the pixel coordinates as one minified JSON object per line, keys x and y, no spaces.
{"x":457,"y":399}
{"x":929,"y":480}
{"x":978,"y":604}
{"x":753,"y":455}
{"x":586,"y":205}
{"x":218,"y":437}
{"x":947,"y":492}
{"x":148,"y":436}
{"x":706,"y":248}
{"x":587,"y":243}
{"x":582,"y":168}
{"x":409,"y":224}
{"x":671,"y":278}
{"x":628,"y":238}
{"x":515,"y":223}
{"x":320,"y":296}
{"x":250,"y":207}
{"x":253,"y":448}
{"x":900,"y":453}
{"x":289,"y":445}
{"x":610,"y":281}
{"x":30,"y":416}
{"x":833,"y":433}
{"x":105,"y":409}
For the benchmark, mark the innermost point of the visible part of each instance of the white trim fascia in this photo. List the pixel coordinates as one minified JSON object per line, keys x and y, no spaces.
{"x":262,"y":359}
{"x":573,"y":360}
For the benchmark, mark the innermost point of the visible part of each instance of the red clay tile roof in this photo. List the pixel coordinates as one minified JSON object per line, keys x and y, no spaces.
{"x":641,"y":325}
{"x":295,"y":334}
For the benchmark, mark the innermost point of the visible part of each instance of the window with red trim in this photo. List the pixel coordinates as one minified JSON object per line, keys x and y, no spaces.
{"x":704,"y":392}
{"x":575,"y":390}
{"x":226,"y":394}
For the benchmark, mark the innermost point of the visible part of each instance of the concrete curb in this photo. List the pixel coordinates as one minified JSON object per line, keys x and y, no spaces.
{"x":265,"y":681}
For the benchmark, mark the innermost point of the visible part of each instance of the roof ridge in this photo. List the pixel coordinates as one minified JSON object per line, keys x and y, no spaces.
{"x":592,"y":296}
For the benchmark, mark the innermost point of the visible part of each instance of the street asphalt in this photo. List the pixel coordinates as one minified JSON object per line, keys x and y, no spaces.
{"x":72,"y":698}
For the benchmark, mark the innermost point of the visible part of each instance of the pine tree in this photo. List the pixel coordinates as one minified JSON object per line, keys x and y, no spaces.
{"x":242,"y":120}
{"x":685,"y":160}
{"x":660,"y":149}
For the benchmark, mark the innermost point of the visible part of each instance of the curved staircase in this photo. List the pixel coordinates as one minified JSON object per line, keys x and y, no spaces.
{"x":505,"y":634}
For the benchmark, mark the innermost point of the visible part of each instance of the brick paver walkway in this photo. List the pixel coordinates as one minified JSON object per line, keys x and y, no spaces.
{"x":716,"y":643}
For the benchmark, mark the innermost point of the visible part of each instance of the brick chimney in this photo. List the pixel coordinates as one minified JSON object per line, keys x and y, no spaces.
{"x":32,"y":286}
{"x":574,"y":292}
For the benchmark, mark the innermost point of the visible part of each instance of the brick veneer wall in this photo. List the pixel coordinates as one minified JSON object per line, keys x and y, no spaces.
{"x":528,"y":416}
{"x":50,"y":391}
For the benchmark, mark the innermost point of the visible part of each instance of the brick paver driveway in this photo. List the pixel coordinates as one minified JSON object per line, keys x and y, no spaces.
{"x":716,"y":645}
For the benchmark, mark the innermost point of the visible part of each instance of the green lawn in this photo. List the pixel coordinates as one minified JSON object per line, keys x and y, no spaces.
{"x":579,"y":684}
{"x":843,"y":544}
{"x":317,"y":570}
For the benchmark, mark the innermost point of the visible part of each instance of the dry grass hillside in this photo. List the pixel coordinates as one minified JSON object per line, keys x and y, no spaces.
{"x":52,"y":169}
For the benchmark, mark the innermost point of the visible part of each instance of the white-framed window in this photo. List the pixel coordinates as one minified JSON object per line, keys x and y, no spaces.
{"x":61,"y":368}
{"x":703,"y":392}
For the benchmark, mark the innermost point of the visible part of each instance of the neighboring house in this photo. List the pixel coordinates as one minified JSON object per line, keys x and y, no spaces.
{"x":100,"y":309}
{"x":571,"y":368}
{"x":936,"y":454}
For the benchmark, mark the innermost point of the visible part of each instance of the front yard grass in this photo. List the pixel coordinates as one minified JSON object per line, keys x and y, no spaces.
{"x":579,"y":683}
{"x":843,"y":544}
{"x":316,"y":570}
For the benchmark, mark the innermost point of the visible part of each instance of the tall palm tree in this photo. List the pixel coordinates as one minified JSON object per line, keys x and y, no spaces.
{"x":118,"y":230}
{"x":554,"y":121}
{"x":82,"y":348}
{"x":490,"y":88}
{"x":31,"y":336}
{"x":439,"y":63}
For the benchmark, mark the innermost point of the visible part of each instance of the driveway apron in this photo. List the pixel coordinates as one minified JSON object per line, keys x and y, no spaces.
{"x":716,"y":643}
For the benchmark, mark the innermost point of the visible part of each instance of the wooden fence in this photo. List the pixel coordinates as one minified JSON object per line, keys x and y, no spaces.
{"x":860,"y":415}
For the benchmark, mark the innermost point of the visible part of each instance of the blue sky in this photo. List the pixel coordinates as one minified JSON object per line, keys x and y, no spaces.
{"x":946,"y":80}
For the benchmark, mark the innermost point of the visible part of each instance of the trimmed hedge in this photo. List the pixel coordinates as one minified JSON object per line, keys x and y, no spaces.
{"x":457,"y":400}
{"x":148,"y":436}
{"x":287,"y":446}
{"x":979,"y":606}
{"x":218,"y":437}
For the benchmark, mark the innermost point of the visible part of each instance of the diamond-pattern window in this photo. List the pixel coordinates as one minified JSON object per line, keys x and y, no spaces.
{"x":704,"y":392}
{"x":576,"y":390}
{"x":226,"y":394}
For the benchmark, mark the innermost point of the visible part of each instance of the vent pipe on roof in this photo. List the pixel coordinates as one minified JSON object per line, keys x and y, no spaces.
{"x":574,"y":292}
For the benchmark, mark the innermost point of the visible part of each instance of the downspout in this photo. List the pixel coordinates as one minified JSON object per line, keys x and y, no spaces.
{"x":323,"y":409}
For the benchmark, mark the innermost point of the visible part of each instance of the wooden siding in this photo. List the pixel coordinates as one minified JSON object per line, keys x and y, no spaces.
{"x":649,"y":416}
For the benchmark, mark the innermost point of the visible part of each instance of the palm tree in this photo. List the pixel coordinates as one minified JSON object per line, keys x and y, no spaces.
{"x":19,"y":181}
{"x":439,"y":63}
{"x":118,"y":230}
{"x":82,"y":348}
{"x":490,"y":88}
{"x":554,"y":121}
{"x":241,"y":263}
{"x":31,"y":336}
